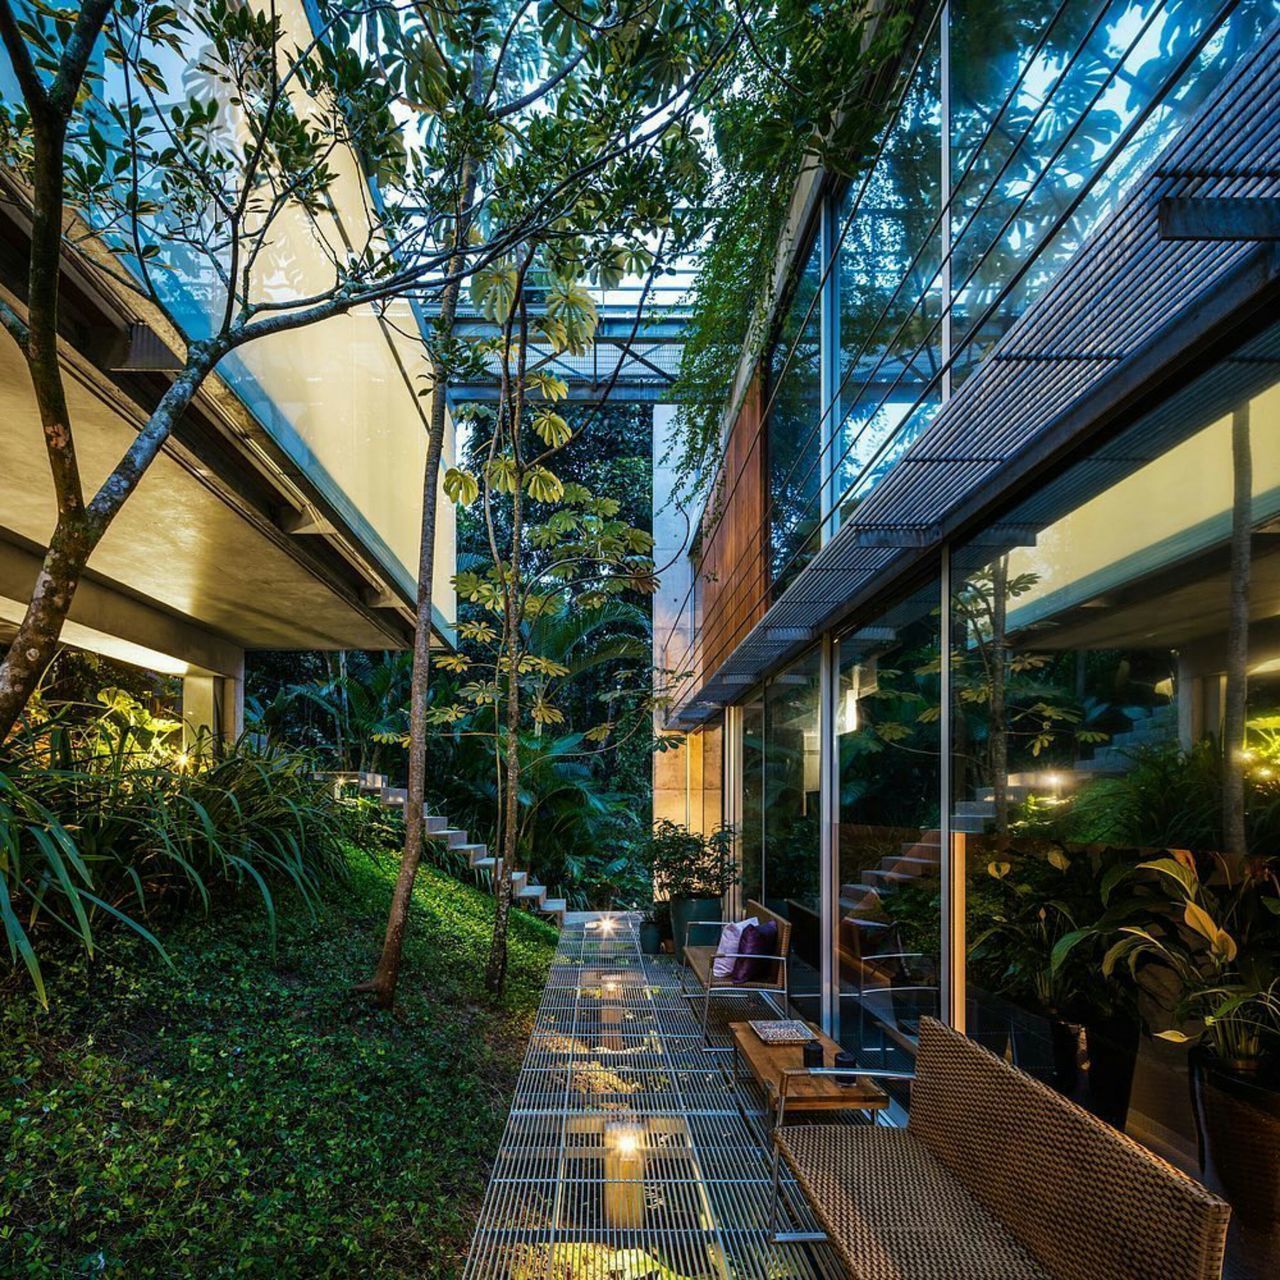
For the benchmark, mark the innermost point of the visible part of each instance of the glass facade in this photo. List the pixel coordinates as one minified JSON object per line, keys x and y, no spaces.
{"x":1018,"y":128}
{"x":792,"y":790}
{"x":1116,"y":672}
{"x":1035,"y":790}
{"x":888,"y":287}
{"x":1029,"y":769}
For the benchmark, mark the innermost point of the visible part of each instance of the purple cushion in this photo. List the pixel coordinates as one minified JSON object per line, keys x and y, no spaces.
{"x":757,"y":940}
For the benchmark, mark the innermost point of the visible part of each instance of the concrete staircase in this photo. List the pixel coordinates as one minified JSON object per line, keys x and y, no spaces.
{"x":524,"y":890}
{"x":1157,"y":727}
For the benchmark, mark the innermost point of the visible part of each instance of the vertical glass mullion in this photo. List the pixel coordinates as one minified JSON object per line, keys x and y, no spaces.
{"x":945,"y":194}
{"x":828,"y":848}
{"x":829,"y":368}
{"x":731,"y":801}
{"x":952,"y":959}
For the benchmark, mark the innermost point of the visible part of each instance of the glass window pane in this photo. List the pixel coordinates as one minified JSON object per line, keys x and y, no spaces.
{"x":1055,"y":111}
{"x":890,"y":288}
{"x":1107,"y":730}
{"x":888,"y":737}
{"x":793,"y":443}
{"x":791,"y":822}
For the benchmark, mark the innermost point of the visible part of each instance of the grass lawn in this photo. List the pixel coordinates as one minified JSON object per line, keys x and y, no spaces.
{"x":248,"y":1114}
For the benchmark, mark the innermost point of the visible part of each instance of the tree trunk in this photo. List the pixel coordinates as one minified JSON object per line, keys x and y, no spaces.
{"x":383,"y":983}
{"x":76,"y":534}
{"x":1235,"y":836}
{"x":999,"y":711}
{"x":495,"y":976}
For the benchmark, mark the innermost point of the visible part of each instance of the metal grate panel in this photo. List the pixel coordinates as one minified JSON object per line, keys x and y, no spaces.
{"x":629,"y":1148}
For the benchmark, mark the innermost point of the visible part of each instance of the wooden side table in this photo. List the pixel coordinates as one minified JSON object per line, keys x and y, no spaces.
{"x":770,"y":1063}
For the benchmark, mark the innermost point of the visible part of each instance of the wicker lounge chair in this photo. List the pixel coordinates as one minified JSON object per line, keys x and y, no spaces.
{"x":997,"y":1177}
{"x":698,"y":962}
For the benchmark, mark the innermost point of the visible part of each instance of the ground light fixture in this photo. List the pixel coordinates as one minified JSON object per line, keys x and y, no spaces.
{"x":624,"y":1175}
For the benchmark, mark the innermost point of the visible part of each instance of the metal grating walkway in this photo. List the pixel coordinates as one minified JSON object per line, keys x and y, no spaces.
{"x":630,"y":1153}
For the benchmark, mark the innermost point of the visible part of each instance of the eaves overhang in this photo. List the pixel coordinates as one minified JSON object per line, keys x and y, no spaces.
{"x":1128,"y":323}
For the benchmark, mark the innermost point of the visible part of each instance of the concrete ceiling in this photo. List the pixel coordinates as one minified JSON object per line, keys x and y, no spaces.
{"x":176,"y":543}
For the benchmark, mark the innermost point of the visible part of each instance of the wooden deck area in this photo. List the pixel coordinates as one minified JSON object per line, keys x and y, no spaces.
{"x":630,"y":1153}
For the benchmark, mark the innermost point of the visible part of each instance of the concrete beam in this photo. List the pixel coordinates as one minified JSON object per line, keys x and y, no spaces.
{"x":107,"y":620}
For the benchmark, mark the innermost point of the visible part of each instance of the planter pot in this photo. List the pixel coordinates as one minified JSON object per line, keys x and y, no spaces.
{"x":1070,"y":1057}
{"x":1238,"y":1124}
{"x":650,"y":938}
{"x":1113,"y":1057}
{"x":684,"y":911}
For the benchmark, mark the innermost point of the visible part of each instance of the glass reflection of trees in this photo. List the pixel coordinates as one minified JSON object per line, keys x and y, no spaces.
{"x":796,"y":393}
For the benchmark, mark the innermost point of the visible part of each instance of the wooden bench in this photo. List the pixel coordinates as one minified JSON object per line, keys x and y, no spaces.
{"x":698,"y":962}
{"x":997,"y":1177}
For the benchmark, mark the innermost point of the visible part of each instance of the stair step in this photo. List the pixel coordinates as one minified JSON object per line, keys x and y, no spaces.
{"x":483,"y":864}
{"x":434,"y":824}
{"x":977,"y":808}
{"x":855,"y":892}
{"x":533,"y":893}
{"x":452,"y":836}
{"x":928,"y":850}
{"x":393,"y":797}
{"x":887,"y":879}
{"x":1014,"y":792}
{"x":911,"y":866}
{"x":968,"y":823}
{"x":554,"y":907}
{"x":474,"y":852}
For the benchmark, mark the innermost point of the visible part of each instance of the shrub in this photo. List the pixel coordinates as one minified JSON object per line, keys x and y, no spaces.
{"x":688,"y":864}
{"x":105,"y":818}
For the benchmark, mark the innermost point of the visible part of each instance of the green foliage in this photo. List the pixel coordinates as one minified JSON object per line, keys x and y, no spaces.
{"x":1203,"y":937}
{"x":105,"y":819}
{"x":362,"y":703}
{"x":1168,"y":797}
{"x":1031,"y":896}
{"x":689,"y":864}
{"x":802,"y":95}
{"x":245,"y":1113}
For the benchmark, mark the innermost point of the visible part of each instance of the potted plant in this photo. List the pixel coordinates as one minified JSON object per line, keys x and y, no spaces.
{"x":1209,"y":953}
{"x":693,"y":870}
{"x":1049,"y":901}
{"x":655,"y":925}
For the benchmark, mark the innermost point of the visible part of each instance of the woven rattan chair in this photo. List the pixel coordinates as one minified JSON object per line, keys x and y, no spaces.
{"x":698,"y":962}
{"x":997,"y":1177}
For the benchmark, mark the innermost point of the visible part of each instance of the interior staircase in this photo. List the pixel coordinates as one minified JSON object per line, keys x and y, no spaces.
{"x":524,"y":889}
{"x":923,"y":857}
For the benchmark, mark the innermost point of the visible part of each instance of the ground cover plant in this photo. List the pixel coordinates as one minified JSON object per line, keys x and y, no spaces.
{"x":245,"y":1113}
{"x":107,"y":819}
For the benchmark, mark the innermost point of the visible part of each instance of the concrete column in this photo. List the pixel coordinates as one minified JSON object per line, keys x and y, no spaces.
{"x":213,"y":707}
{"x":201,"y":710}
{"x":233,"y":703}
{"x":673,"y":770}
